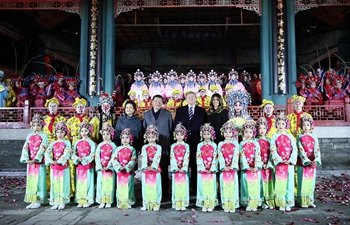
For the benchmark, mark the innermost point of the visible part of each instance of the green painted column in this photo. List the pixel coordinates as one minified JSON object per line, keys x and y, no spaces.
{"x":265,"y":49}
{"x":109,"y":49}
{"x":292,"y":58}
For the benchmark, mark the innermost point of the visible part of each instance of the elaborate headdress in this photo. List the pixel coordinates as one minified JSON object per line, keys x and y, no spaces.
{"x":86,"y":125}
{"x":191,"y":74}
{"x":145,"y":91}
{"x":109,"y":129}
{"x":37,"y":119}
{"x":105,"y":98}
{"x":228,"y":126}
{"x":156,"y":74}
{"x":132,"y":92}
{"x":250,"y":124}
{"x":282,"y":116}
{"x":72,"y":81}
{"x":307,"y":118}
{"x":151,"y":129}
{"x":212,"y":73}
{"x":209,"y":128}
{"x":79,"y":101}
{"x":233,"y":73}
{"x":182,"y":76}
{"x":228,"y":87}
{"x":238,"y":96}
{"x":62,"y":126}
{"x":179,"y":128}
{"x":202,"y":75}
{"x":52,"y":100}
{"x":172,"y":73}
{"x":127,"y":132}
{"x":245,"y":74}
{"x":297,"y":97}
{"x":262,"y":121}
{"x":138,"y":73}
{"x":202,"y":88}
{"x":266,"y":102}
{"x":2,"y":74}
{"x":40,"y":80}
{"x":312,"y":79}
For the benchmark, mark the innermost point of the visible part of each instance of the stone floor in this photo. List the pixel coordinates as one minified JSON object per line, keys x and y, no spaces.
{"x":332,"y":194}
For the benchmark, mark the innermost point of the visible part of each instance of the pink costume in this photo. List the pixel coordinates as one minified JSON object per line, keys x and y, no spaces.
{"x":139,"y":85}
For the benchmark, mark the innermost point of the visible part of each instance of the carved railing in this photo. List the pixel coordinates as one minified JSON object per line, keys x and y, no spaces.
{"x":324,"y":115}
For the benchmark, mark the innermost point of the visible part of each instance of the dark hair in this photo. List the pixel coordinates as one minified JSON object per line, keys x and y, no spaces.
{"x":221,"y":104}
{"x":111,"y":112}
{"x":157,"y":96}
{"x":132,"y":103}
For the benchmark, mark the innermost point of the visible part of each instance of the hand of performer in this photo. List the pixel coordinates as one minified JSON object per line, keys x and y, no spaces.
{"x":30,"y":162}
{"x":265,"y":166}
{"x":55,"y":162}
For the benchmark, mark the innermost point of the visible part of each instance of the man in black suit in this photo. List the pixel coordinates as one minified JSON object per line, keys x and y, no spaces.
{"x":192,"y":117}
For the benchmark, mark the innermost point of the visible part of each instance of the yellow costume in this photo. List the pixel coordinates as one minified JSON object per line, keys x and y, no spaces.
{"x":175,"y":102}
{"x":11,"y":97}
{"x":294,"y":118}
{"x":270,"y":119}
{"x":129,"y":94}
{"x":73,"y":125}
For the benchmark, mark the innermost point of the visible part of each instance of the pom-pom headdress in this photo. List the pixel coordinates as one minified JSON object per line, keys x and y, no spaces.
{"x":105,"y":98}
{"x":179,"y":128}
{"x":79,"y":101}
{"x":282,"y":116}
{"x":228,"y":126}
{"x":297,"y":97}
{"x":86,"y":125}
{"x":156,"y":74}
{"x":262,"y":121}
{"x":176,"y":92}
{"x":72,"y":81}
{"x":62,"y":126}
{"x":109,"y":129}
{"x":266,"y":102}
{"x":151,"y":129}
{"x":182,"y":76}
{"x":127,"y":132}
{"x":250,"y":124}
{"x":52,"y":100}
{"x":209,"y":128}
{"x":37,"y":119}
{"x":238,"y":96}
{"x":307,"y":118}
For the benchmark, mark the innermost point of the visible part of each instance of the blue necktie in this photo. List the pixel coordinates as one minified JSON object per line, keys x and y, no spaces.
{"x":190,"y":114}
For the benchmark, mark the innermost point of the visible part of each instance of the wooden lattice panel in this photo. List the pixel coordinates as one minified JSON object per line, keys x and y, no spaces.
{"x":326,"y":112}
{"x":11,"y":115}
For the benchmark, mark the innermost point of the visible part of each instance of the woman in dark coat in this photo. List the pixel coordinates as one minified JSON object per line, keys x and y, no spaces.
{"x":129,"y":120}
{"x":217,"y":115}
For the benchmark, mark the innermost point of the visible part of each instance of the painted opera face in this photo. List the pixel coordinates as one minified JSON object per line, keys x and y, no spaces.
{"x":106,"y":107}
{"x":80,"y":109}
{"x":53,"y":107}
{"x":298,"y":105}
{"x":268,"y":109}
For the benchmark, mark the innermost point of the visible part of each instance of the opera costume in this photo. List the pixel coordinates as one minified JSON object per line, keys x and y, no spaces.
{"x":191,"y":84}
{"x":207,"y":167}
{"x":250,"y":165}
{"x":56,"y":156}
{"x":146,"y":102}
{"x":123,"y":162}
{"x":228,"y":151}
{"x":105,"y":116}
{"x":105,"y":184}
{"x":312,"y":94}
{"x":294,"y":117}
{"x":267,"y":179}
{"x":52,"y":118}
{"x":83,"y":157}
{"x":132,"y":97}
{"x":33,"y":155}
{"x":139,"y":85}
{"x":176,"y":100}
{"x":10,"y":100}
{"x":156,"y":87}
{"x":309,"y":159}
{"x":233,"y":81}
{"x":179,"y":160}
{"x":213,"y":81}
{"x":151,"y":171}
{"x":172,"y":85}
{"x":284,"y":153}
{"x":72,"y":93}
{"x":268,"y":109}
{"x":203,"y":100}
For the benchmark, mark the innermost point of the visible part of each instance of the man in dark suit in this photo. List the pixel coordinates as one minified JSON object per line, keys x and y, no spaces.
{"x":162,"y":119}
{"x":192,"y":117}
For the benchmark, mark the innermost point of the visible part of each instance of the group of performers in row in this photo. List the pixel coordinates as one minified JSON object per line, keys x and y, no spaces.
{"x":323,"y":86}
{"x":265,"y":163}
